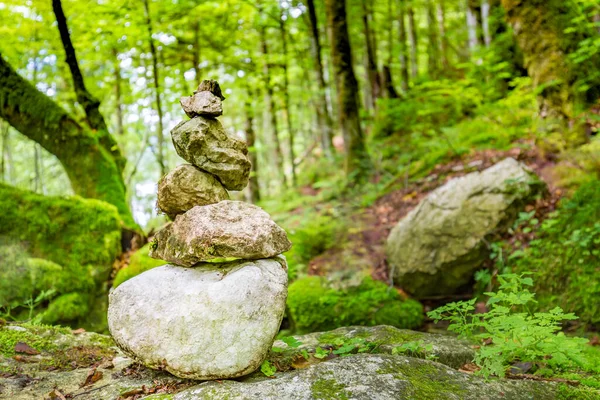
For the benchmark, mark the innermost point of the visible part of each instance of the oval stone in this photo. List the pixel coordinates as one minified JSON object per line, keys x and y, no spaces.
{"x":215,"y":321}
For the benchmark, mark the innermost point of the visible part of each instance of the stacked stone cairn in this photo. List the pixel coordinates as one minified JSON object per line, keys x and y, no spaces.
{"x":214,"y":312}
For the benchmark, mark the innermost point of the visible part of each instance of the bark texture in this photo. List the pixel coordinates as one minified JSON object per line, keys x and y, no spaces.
{"x":357,"y":161}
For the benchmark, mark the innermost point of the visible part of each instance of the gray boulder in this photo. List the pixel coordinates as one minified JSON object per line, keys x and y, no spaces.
{"x":371,"y":377}
{"x":215,"y":321}
{"x":204,"y":143}
{"x":438,"y":246}
{"x":202,"y":103}
{"x":222,"y":230}
{"x":186,"y":187}
{"x":75,"y":358}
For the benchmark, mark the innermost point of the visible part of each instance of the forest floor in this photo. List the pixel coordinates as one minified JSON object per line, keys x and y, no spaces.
{"x":365,"y":242}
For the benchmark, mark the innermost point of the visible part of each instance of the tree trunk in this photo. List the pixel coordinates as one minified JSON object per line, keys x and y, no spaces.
{"x":90,"y":104}
{"x":196,"y":52}
{"x":118,"y":98}
{"x":441,"y":18}
{"x":433,"y":45}
{"x":160,"y":154}
{"x":539,"y":27}
{"x":413,"y":41}
{"x":372,"y":72}
{"x":485,"y":22}
{"x":92,"y":170}
{"x":472,"y":26}
{"x":5,"y":164}
{"x":403,"y":47}
{"x":270,"y":102}
{"x":323,"y":116}
{"x":357,"y":163}
{"x":253,"y":186}
{"x":286,"y":95}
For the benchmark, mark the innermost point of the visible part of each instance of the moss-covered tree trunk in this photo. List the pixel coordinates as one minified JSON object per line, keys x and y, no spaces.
{"x":539,"y":27}
{"x":357,"y":162}
{"x":91,"y":168}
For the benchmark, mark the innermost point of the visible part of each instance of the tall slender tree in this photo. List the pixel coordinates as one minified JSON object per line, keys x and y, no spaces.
{"x":403,"y":45}
{"x":357,"y":162}
{"x":414,"y":42}
{"x":160,"y":138}
{"x":323,"y":117}
{"x":286,"y":90}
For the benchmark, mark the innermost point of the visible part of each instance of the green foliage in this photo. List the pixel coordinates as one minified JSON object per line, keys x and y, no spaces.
{"x":67,"y":245}
{"x":512,"y":332}
{"x":138,"y":262}
{"x":267,"y":368}
{"x":313,"y":306}
{"x":427,"y":107}
{"x":565,"y":256}
{"x":315,"y":235}
{"x":416,"y":348}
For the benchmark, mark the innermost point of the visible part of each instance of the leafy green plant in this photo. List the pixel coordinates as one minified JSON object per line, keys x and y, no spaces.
{"x":565,"y":255}
{"x":416,"y":348}
{"x":267,"y":368}
{"x":511,"y":332}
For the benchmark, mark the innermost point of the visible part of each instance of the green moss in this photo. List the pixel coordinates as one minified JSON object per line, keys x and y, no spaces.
{"x":566,"y":392}
{"x":53,"y":243}
{"x":138,"y":263}
{"x":9,"y":338}
{"x":329,"y":389}
{"x":313,"y":306}
{"x":66,"y":308}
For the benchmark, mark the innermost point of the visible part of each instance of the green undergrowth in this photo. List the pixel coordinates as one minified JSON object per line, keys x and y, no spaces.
{"x":314,"y":306}
{"x":61,"y":247}
{"x":565,"y":256}
{"x":139,"y":262}
{"x":510,"y":332}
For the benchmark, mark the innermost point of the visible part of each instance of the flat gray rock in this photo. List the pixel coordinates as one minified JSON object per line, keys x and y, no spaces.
{"x":438,"y":246}
{"x":371,"y":377}
{"x":215,"y":321}
{"x":222,"y":230}
{"x":186,"y":187}
{"x":204,"y":143}
{"x":202,"y":103}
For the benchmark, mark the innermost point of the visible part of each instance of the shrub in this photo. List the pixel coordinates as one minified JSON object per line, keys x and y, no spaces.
{"x":314,"y":306}
{"x":566,"y":254}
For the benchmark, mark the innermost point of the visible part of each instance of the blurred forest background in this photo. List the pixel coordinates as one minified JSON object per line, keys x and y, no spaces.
{"x":353,"y":111}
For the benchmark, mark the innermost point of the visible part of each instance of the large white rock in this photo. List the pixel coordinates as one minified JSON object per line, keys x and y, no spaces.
{"x":214,"y":321}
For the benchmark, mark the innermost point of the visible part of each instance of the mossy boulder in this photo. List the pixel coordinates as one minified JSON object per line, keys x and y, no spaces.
{"x":66,"y":360}
{"x":61,"y":247}
{"x":438,"y":246}
{"x":313,"y":305}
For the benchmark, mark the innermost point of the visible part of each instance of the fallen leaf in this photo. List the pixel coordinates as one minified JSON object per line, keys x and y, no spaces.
{"x":93,"y":376}
{"x":25,"y":349}
{"x":56,"y":395}
{"x":78,"y":331}
{"x":595,"y":341}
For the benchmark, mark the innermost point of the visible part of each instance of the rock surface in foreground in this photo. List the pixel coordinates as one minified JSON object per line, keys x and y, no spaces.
{"x":215,"y":321}
{"x":438,"y":246}
{"x":222,"y":230}
{"x":186,"y":187}
{"x":352,"y":376}
{"x":204,"y":143}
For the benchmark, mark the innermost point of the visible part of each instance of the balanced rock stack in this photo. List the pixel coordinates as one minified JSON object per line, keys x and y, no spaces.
{"x":214,"y":312}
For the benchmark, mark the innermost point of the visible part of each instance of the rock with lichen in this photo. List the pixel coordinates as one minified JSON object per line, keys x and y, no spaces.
{"x":204,"y":143}
{"x":222,"y":230}
{"x":438,"y":246}
{"x":214,"y":321}
{"x":203,"y":104}
{"x":186,"y":187}
{"x":88,"y":366}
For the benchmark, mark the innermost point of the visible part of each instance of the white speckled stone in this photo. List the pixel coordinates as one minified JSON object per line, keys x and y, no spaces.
{"x":214,"y":321}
